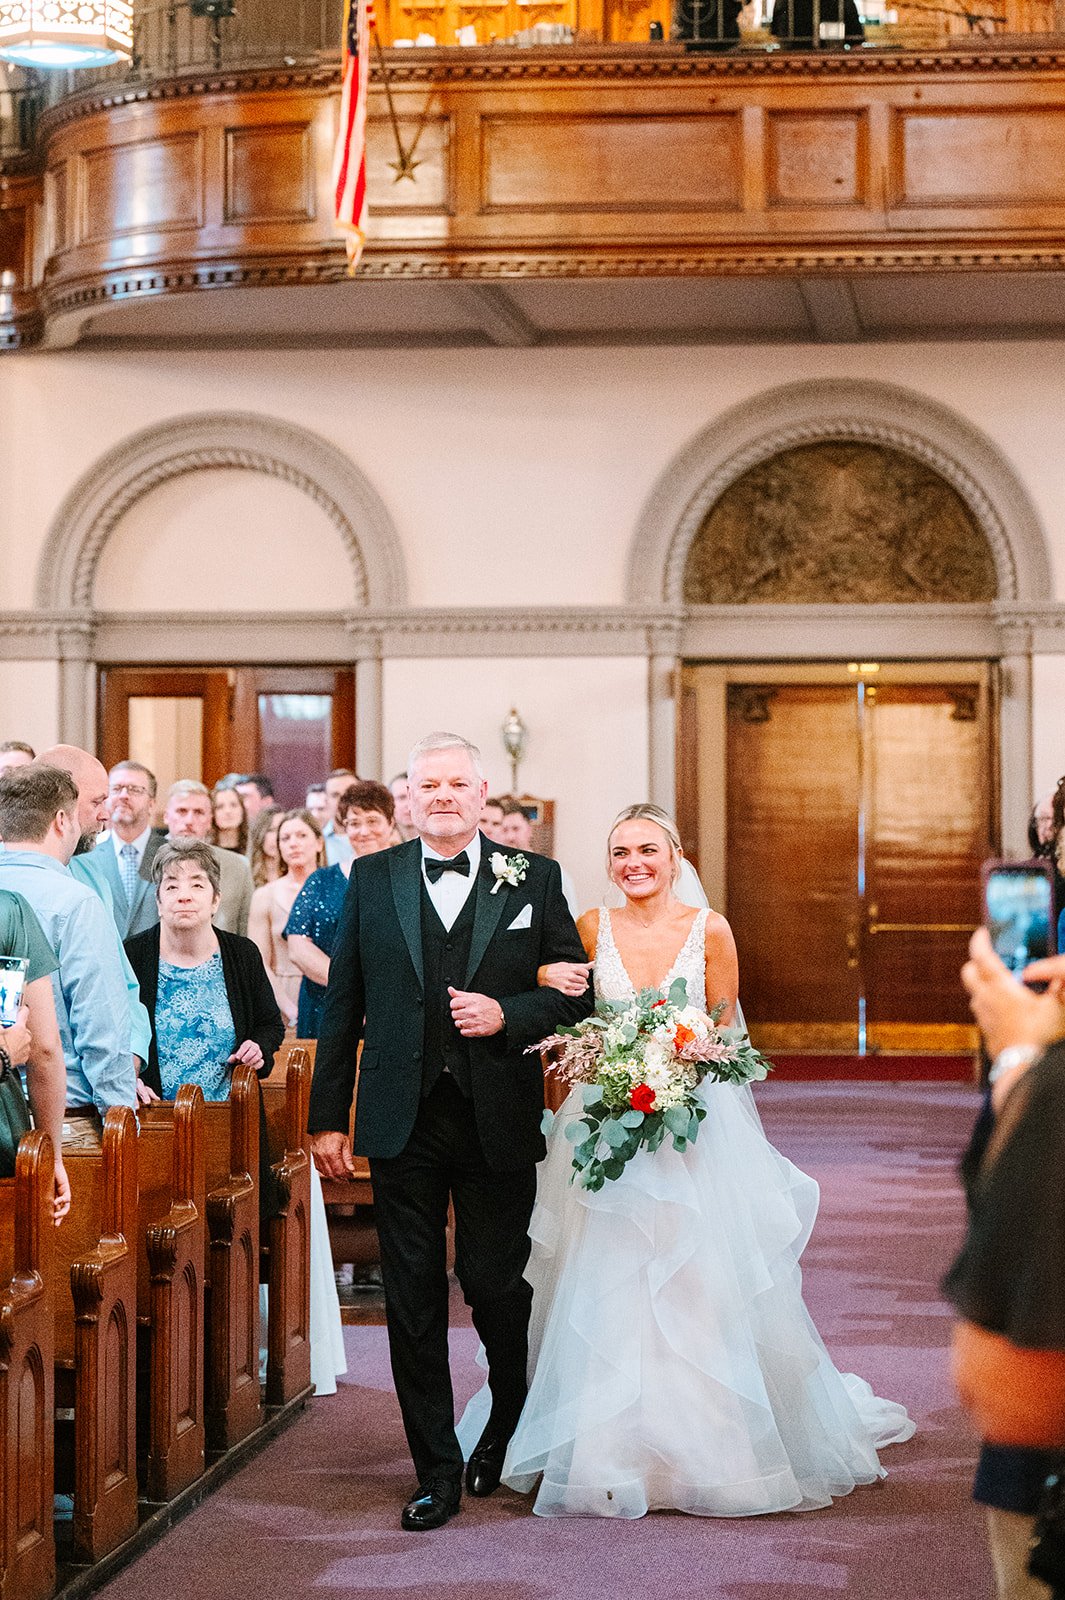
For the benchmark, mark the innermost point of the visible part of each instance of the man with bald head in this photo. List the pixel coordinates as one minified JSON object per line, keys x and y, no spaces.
{"x":90,"y":779}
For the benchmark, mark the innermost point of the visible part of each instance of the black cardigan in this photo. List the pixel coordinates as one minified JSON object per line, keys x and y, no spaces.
{"x":251,"y":999}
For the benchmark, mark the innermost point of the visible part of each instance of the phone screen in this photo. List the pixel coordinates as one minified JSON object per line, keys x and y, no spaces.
{"x":12,"y":980}
{"x":1019,"y":905}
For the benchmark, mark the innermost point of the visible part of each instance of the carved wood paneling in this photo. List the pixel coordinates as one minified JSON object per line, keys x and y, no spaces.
{"x":156,"y":183}
{"x":629,"y":162}
{"x":589,"y":161}
{"x":817,"y":158}
{"x":269,"y":174}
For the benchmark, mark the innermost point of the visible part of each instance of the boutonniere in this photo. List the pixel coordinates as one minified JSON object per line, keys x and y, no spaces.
{"x":507,"y":869}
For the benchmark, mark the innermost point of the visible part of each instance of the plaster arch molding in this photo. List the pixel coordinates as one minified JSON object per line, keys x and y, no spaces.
{"x":809,"y":413}
{"x":66,"y":573}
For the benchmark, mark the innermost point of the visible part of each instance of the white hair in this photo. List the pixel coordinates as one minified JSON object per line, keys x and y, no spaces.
{"x":445,"y":741}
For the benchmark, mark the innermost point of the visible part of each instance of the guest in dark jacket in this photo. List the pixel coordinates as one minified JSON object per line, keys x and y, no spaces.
{"x":207,"y":993}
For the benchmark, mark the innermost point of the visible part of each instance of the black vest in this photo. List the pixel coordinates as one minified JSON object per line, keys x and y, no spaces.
{"x":445,"y":955}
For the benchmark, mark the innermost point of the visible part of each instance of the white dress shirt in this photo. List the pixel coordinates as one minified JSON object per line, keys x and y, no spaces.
{"x":451,"y":890}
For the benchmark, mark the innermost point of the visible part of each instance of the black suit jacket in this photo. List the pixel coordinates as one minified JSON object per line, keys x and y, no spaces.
{"x":376,"y":992}
{"x":248,"y":989}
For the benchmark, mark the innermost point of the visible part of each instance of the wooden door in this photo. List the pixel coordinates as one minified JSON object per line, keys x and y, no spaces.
{"x":857,"y":814}
{"x":294,"y":723}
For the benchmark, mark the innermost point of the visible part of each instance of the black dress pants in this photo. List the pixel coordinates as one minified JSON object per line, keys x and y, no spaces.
{"x":443,"y":1158}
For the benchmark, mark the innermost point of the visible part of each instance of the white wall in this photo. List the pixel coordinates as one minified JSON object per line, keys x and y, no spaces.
{"x":1048,"y":724}
{"x":510,"y":475}
{"x":29,"y":702}
{"x":587,"y":721}
{"x":224,"y":540}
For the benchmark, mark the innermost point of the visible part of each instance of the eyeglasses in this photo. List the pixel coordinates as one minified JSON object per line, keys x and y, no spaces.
{"x":136,"y":791}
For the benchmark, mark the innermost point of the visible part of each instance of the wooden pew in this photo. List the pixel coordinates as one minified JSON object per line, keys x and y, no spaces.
{"x":170,"y":1287}
{"x":27,"y":1402}
{"x":231,"y":1153}
{"x":96,"y":1337}
{"x":288,"y":1368}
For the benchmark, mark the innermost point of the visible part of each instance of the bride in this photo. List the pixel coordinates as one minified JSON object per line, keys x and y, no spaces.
{"x":673,"y":1364}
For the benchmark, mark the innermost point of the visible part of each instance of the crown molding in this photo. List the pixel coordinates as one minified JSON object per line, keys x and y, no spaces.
{"x":378,"y":634}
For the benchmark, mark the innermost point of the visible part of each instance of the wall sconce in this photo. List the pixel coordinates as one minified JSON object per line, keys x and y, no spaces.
{"x":515,"y":741}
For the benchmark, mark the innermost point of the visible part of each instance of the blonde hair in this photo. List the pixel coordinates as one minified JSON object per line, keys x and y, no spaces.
{"x":644,"y":811}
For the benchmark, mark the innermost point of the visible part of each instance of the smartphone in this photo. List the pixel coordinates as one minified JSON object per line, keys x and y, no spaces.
{"x":12,"y":983}
{"x":1019,"y":911}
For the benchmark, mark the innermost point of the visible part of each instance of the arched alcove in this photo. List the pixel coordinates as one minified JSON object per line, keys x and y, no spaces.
{"x":210,"y":441}
{"x":802,"y":414}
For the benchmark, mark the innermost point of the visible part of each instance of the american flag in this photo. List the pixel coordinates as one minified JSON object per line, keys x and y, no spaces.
{"x":349,"y":157}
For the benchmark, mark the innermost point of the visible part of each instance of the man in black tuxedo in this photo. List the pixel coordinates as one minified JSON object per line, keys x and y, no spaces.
{"x":434,"y":965}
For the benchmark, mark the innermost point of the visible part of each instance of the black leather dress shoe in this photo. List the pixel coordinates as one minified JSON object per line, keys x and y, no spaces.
{"x":432,"y":1505}
{"x":485,"y":1466}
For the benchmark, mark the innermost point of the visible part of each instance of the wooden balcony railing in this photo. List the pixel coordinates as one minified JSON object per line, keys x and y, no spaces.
{"x":583,"y":161}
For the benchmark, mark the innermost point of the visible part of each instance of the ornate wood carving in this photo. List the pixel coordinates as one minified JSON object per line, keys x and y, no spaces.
{"x":840,"y":521}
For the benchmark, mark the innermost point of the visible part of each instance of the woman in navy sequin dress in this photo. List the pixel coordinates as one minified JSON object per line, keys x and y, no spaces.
{"x":365,"y":811}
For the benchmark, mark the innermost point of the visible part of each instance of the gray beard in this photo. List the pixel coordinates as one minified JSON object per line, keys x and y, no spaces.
{"x":86,"y":843}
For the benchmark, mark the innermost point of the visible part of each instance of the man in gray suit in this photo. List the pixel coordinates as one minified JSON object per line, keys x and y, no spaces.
{"x":125,"y":856}
{"x":188,"y":816}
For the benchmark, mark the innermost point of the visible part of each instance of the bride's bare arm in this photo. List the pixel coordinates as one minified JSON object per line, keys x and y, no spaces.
{"x":722,"y":966}
{"x":571,"y":977}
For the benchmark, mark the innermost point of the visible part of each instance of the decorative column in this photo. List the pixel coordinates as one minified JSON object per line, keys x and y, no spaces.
{"x":663,"y":669}
{"x":1015,"y":734}
{"x":369,"y":700}
{"x":76,"y":639}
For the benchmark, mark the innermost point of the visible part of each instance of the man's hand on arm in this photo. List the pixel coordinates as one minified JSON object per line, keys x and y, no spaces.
{"x":476,"y":1016}
{"x":332,"y":1154}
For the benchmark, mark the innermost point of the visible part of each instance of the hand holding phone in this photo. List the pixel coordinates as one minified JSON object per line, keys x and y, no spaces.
{"x":12,"y":982}
{"x":1019,"y":911}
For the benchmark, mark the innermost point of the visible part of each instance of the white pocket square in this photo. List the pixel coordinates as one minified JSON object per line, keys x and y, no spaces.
{"x":522,"y":920}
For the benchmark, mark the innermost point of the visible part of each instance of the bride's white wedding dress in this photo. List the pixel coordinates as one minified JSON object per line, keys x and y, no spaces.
{"x":673,"y":1363}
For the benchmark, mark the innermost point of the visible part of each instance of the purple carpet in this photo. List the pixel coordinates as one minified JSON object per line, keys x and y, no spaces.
{"x":317,"y":1511}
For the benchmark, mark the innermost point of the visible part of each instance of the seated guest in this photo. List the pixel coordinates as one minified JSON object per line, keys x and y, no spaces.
{"x":39,"y":822}
{"x":33,"y":1042}
{"x":365,"y":812}
{"x":257,"y":792}
{"x":210,"y":1001}
{"x":300,"y":848}
{"x":125,"y":857}
{"x":515,"y":833}
{"x":794,"y":20}
{"x":317,"y":804}
{"x":188,"y":816}
{"x":229,"y":820}
{"x":13,"y":753}
{"x":263,"y":858}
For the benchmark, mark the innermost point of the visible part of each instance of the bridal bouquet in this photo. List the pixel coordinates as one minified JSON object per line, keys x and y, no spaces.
{"x":639,"y":1063}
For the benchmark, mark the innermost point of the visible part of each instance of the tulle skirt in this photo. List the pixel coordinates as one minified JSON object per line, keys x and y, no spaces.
{"x":673,"y":1362}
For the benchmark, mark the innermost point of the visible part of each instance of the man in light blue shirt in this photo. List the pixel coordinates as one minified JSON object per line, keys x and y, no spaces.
{"x":87,"y":866}
{"x":39,"y":823}
{"x":337,"y":848}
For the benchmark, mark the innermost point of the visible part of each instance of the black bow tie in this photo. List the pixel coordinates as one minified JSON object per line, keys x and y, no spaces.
{"x":435,"y":867}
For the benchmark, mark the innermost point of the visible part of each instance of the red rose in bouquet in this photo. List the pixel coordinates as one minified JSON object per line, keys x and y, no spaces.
{"x":642,"y":1098}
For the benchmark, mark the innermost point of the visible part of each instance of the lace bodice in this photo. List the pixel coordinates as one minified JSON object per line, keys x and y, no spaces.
{"x":612,"y":982}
